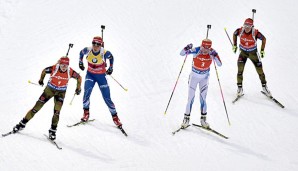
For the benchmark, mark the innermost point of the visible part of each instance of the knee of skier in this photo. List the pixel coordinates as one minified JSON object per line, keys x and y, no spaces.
{"x":103,"y":86}
{"x":43,"y":99}
{"x":59,"y":99}
{"x":259,"y":64}
{"x":56,"y":112}
{"x":240,"y":60}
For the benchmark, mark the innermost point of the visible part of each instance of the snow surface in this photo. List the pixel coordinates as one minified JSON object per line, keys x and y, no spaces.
{"x":145,"y":38}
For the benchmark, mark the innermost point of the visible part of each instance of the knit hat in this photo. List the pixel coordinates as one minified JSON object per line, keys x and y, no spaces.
{"x":97,"y":39}
{"x":249,"y":22}
{"x":64,"y":60}
{"x":206,"y":43}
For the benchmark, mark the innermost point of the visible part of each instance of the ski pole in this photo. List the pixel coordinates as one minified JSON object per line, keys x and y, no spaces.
{"x":34,"y":83}
{"x":208,"y":27}
{"x":176,"y":83}
{"x":223,"y":99}
{"x":228,"y":36}
{"x":72,"y":98}
{"x":118,"y":83}
{"x":102,"y":28}
{"x":259,"y":56}
{"x":69,"y":46}
{"x":253,"y":12}
{"x":222,"y":96}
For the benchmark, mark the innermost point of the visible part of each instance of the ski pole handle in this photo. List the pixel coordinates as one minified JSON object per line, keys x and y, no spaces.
{"x":208,"y":27}
{"x":253,"y":12}
{"x":69,"y":46}
{"x":102,"y":28}
{"x":34,"y":83}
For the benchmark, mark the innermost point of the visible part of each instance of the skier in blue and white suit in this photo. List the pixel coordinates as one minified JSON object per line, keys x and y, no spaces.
{"x":202,"y":59}
{"x":96,"y":73}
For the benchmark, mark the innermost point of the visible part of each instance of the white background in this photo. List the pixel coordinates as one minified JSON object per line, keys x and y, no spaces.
{"x":145,"y":38}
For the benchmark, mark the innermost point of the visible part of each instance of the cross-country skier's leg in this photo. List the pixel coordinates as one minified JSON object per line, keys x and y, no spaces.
{"x":192,"y":86}
{"x":58,"y":100}
{"x":259,"y":68}
{"x":89,"y":84}
{"x":241,"y":64}
{"x":45,"y":96}
{"x":203,"y":84}
{"x":106,"y":95}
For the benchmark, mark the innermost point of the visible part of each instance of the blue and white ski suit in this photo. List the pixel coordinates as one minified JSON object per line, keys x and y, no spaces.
{"x":199,"y":75}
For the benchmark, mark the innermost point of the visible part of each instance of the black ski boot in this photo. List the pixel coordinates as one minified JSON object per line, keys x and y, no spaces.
{"x":21,"y":125}
{"x":52,"y":134}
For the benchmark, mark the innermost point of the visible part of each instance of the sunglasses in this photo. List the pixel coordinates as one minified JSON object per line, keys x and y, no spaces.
{"x":205,"y":48}
{"x":63,"y":65}
{"x":96,"y":44}
{"x":247,"y":26}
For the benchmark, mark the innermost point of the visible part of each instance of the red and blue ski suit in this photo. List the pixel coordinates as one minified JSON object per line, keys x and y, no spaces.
{"x":96,"y":73}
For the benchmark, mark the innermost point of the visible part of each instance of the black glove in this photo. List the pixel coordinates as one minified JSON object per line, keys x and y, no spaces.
{"x":189,"y":46}
{"x":109,"y":71}
{"x":40,"y":82}
{"x":262,"y":53}
{"x":81,"y":65}
{"x":78,"y":91}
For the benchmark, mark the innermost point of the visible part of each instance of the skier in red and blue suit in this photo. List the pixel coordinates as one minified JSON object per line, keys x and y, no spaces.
{"x":96,"y":57}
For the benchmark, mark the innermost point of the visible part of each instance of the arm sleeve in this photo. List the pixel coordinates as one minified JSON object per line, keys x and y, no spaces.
{"x":263,"y":38}
{"x":48,"y":70}
{"x":83,"y":52}
{"x":76,"y":76}
{"x":235,"y":34}
{"x":45,"y":71}
{"x":108,"y":55}
{"x":215,"y":57}
{"x":190,"y":51}
{"x":260,"y":36}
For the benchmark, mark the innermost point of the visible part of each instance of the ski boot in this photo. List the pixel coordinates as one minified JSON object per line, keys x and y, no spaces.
{"x":185,"y":122}
{"x":21,"y":125}
{"x":117,"y":120}
{"x":240,"y":91}
{"x":85,"y":117}
{"x":18,"y":127}
{"x":52,"y":134}
{"x":203,"y":121}
{"x":266,"y":90}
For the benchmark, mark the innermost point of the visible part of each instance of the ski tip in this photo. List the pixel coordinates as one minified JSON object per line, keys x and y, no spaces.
{"x":126,"y":89}
{"x":29,"y":81}
{"x":225,"y":28}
